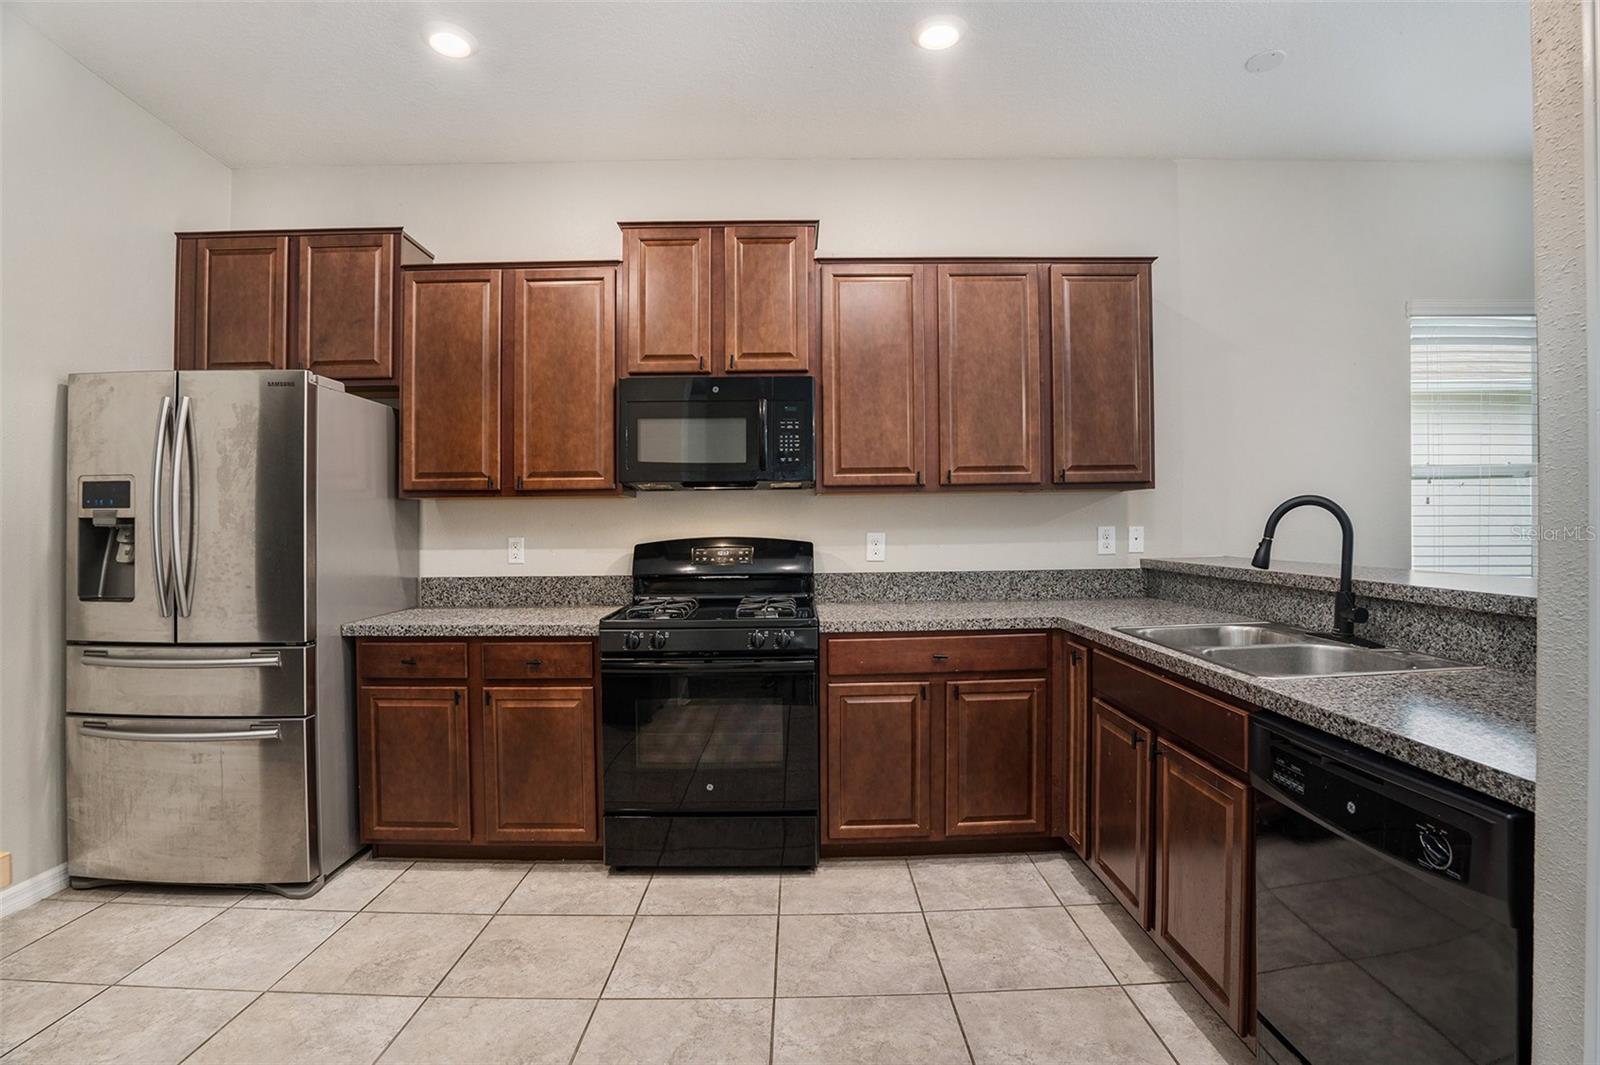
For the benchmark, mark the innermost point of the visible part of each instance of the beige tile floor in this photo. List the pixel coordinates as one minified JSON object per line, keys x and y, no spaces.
{"x":1009,"y":958}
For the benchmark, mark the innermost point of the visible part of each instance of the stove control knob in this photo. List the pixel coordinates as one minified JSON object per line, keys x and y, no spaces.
{"x":658,"y":639}
{"x":758,"y":639}
{"x":783,"y":638}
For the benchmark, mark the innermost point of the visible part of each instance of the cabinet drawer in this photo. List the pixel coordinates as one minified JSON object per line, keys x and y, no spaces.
{"x":1206,"y":724}
{"x":923,"y":655}
{"x":403,"y":661}
{"x":538,"y":661}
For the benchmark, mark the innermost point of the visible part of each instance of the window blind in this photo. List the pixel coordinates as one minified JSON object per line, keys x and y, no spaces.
{"x":1474,"y":442}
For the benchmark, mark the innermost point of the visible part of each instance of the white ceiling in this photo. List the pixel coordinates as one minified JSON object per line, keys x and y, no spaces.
{"x":273,"y":84}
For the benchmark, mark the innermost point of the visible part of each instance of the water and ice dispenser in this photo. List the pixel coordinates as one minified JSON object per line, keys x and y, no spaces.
{"x":105,"y":539}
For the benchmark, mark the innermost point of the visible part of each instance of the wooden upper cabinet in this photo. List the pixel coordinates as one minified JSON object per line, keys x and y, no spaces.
{"x":450,"y":381}
{"x":989,"y":374}
{"x":1119,"y":807}
{"x":874,"y":355}
{"x":562,"y":377}
{"x":539,"y":765}
{"x":415,"y":766}
{"x":345,"y":325}
{"x":1101,"y":360}
{"x":879,"y":761}
{"x":767,"y":298}
{"x":233,"y":302}
{"x":996,"y":757}
{"x":667,"y":274}
{"x":1201,"y":857}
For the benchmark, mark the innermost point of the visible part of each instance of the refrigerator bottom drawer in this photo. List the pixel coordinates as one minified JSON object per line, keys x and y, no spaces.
{"x":191,"y":800}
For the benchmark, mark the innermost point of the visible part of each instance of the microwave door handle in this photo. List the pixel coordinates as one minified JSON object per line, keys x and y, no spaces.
{"x":761,"y":415}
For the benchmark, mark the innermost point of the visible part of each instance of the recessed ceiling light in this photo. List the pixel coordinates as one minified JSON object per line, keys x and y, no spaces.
{"x":1262,"y":62}
{"x":451,"y":41}
{"x":937,"y":34}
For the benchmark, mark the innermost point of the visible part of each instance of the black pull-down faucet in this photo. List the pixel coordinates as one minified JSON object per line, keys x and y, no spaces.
{"x":1345,"y":612}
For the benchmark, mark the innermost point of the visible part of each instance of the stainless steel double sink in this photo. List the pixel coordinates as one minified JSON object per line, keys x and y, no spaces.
{"x":1263,"y":649}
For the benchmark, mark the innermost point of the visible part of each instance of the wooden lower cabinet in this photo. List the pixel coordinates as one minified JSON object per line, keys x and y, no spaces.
{"x":479,"y":741}
{"x":1071,"y":745}
{"x":415,"y":778}
{"x":538,"y":769}
{"x":880,"y":761}
{"x":1119,"y":807}
{"x":1202,"y":826}
{"x":996,"y":757}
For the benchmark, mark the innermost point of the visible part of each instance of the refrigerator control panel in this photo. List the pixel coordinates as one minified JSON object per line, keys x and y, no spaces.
{"x":105,"y":493}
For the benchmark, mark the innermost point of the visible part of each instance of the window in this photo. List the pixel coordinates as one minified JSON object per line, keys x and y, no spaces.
{"x":1474,"y":438}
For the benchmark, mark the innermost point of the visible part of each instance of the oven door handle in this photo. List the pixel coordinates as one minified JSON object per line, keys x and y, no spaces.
{"x":702,"y":665}
{"x":761,"y":409}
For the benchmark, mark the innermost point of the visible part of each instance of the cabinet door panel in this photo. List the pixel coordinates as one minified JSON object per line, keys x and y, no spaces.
{"x":539,"y":765}
{"x":874,"y":353}
{"x":233,"y":303}
{"x":1101,"y":373}
{"x":450,"y":381}
{"x":415,"y":770}
{"x":345,"y":322}
{"x":563,"y":377}
{"x":1074,"y":751}
{"x":1202,"y":821}
{"x":989,"y":374}
{"x":996,"y":757}
{"x":668,"y":274}
{"x":767,"y":293}
{"x":1119,"y":807}
{"x":879,"y":761}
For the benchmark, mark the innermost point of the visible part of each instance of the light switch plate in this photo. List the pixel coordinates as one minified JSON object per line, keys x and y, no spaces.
{"x":1135,"y":539}
{"x":514,"y":555}
{"x":1108,"y":540}
{"x":877,"y":547}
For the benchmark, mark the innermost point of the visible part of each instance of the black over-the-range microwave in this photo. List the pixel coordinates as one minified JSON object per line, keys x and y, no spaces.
{"x":716,"y":432}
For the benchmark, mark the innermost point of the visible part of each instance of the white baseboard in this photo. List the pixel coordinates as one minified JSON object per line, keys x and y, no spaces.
{"x":25,"y":893}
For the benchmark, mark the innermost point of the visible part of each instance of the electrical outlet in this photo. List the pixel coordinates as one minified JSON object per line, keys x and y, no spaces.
{"x":1108,"y":539}
{"x":514,"y":550}
{"x":877,"y":547}
{"x":1135,"y":539}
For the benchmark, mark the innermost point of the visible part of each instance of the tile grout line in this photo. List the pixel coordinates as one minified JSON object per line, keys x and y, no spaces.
{"x":1173,"y":1054}
{"x":221,"y":1026}
{"x":348,"y":917}
{"x":61,"y":1018}
{"x":594,"y":1006}
{"x":949,"y":995}
{"x":772,"y":1007}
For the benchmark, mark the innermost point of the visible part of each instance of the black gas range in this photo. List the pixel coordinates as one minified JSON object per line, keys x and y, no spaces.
{"x":709,"y":707}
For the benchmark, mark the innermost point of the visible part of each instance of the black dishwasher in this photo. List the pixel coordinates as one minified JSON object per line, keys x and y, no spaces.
{"x":1393,"y":910}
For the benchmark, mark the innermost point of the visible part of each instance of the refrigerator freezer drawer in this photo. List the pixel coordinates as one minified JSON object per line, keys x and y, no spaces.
{"x":190,"y":681}
{"x":191,"y":800}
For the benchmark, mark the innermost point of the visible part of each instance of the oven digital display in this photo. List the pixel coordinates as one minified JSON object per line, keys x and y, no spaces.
{"x":741,"y":554}
{"x":693,"y":441}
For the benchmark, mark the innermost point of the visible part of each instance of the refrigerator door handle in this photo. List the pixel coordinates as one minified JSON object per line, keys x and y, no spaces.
{"x":182,"y":560}
{"x":106,"y":732}
{"x":95,"y":656}
{"x":158,"y":549}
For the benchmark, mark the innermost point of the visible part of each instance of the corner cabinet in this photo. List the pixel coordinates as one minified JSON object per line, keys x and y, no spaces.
{"x":320,"y":300}
{"x":481,"y":742}
{"x":508,"y":379}
{"x":934,"y":738}
{"x":715,"y":298}
{"x":986,"y":373}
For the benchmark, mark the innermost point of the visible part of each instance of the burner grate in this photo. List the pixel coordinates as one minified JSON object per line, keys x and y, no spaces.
{"x":767,"y":606}
{"x":660,"y":608}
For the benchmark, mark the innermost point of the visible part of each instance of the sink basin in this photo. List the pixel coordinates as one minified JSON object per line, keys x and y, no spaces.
{"x":1263,"y":649}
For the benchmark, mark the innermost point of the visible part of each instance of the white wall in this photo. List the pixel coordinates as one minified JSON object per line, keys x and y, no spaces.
{"x":92,"y":189}
{"x":1280,"y":332}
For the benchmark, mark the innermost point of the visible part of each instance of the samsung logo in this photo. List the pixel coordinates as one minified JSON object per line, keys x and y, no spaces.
{"x":280,"y":384}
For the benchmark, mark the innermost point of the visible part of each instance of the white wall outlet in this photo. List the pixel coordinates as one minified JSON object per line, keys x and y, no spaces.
{"x":877,"y":547}
{"x":1135,"y":539}
{"x":514,"y":550}
{"x":1108,"y":540}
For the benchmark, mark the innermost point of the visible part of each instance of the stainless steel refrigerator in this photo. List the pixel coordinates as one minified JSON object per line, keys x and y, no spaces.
{"x":221,"y":526}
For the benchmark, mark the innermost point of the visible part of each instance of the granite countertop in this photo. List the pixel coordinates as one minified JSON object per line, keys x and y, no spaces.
{"x":1462,"y":591}
{"x":1475,"y":727}
{"x":467,"y":621}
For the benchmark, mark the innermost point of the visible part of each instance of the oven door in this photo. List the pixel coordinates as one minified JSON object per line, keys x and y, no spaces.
{"x":694,"y":736}
{"x":692,"y":440}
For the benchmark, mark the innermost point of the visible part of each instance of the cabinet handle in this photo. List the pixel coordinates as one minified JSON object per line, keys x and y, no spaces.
{"x":730,"y":360}
{"x":408,"y":661}
{"x":702,"y":362}
{"x":950,"y":475}
{"x":939,"y":656}
{"x":485,"y":698}
{"x":456,"y":697}
{"x":1077,"y":658}
{"x":1137,"y":739}
{"x":1061,"y":478}
{"x":535,"y":663}
{"x":919,"y":478}
{"x":519,"y":482}
{"x":955,"y":691}
{"x":924,"y":693}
